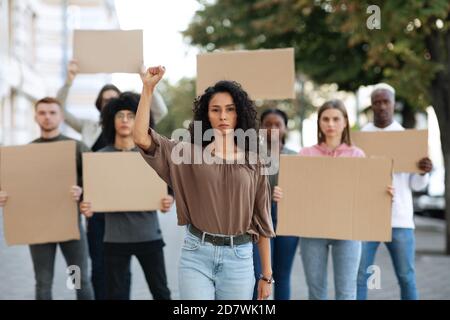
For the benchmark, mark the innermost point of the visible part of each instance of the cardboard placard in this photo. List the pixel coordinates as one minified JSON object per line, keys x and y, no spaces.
{"x":108,"y":51}
{"x":38,"y":179}
{"x":121,"y":181}
{"x":335,"y":198}
{"x":264,"y":74}
{"x":406,"y":148}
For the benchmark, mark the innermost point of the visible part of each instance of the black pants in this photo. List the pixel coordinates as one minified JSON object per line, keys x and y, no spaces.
{"x":74,"y":252}
{"x":117,"y":265}
{"x":95,"y":235}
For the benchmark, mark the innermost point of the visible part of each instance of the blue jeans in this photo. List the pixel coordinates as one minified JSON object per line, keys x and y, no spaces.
{"x":208,"y":272}
{"x":346,"y":256}
{"x":402,"y":252}
{"x":283,"y":252}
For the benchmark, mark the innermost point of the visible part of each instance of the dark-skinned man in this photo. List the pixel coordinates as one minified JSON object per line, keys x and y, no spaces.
{"x":402,"y":246}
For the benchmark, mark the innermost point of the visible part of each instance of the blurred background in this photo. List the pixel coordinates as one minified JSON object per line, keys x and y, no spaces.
{"x":339,"y":53}
{"x":337,"y":56}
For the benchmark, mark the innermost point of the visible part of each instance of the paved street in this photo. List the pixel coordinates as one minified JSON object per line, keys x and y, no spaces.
{"x":433,"y":268}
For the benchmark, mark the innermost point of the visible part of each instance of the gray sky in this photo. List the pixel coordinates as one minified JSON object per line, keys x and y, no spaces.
{"x":162,"y":21}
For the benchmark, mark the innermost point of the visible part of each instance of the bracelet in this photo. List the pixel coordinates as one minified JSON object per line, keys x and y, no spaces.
{"x":268,"y":280}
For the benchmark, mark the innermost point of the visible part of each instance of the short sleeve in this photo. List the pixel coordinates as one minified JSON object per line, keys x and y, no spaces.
{"x":158,"y":155}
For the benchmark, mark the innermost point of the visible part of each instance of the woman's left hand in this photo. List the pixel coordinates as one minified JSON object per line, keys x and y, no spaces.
{"x":166,"y":203}
{"x":264,"y":289}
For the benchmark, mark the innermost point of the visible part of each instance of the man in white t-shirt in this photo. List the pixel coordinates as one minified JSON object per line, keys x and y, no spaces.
{"x":402,"y":246}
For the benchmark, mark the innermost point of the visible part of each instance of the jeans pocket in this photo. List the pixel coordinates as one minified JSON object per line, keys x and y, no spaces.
{"x":191,"y":243}
{"x":244,"y":251}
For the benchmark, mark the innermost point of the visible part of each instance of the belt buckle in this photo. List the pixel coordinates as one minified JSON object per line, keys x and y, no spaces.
{"x":214,"y":240}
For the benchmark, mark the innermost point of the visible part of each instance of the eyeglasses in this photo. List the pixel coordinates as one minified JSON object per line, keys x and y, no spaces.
{"x":129,"y":116}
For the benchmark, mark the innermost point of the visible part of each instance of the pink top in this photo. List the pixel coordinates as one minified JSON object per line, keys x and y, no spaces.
{"x":322,"y":150}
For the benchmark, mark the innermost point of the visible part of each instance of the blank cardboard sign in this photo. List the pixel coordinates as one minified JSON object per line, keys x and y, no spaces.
{"x":121,"y":181}
{"x":38,"y":178}
{"x":335,"y":198}
{"x":108,"y":51}
{"x":264,"y":74}
{"x":406,"y":148}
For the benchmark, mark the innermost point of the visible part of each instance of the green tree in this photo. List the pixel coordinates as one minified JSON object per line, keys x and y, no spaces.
{"x":334,"y":44}
{"x":179,"y":99}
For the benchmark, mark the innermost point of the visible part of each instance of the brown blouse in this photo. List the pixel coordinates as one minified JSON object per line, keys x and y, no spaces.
{"x":229,"y":199}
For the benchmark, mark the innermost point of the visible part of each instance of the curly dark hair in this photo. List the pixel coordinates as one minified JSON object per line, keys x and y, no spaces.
{"x":245,"y":108}
{"x":125,"y":101}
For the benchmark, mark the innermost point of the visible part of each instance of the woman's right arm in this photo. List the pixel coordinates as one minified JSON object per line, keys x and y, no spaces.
{"x":149,"y":81}
{"x":63,"y":92}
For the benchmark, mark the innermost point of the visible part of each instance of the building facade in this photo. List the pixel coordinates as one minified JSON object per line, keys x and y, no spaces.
{"x":35,"y":47}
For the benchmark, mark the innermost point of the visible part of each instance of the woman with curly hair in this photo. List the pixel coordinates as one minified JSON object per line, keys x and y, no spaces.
{"x":128,"y":233}
{"x":224,"y":205}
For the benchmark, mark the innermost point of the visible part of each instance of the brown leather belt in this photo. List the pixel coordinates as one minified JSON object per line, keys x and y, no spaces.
{"x":221,"y":240}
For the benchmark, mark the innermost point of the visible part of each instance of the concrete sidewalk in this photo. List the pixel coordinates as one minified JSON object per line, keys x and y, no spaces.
{"x":433,"y":268}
